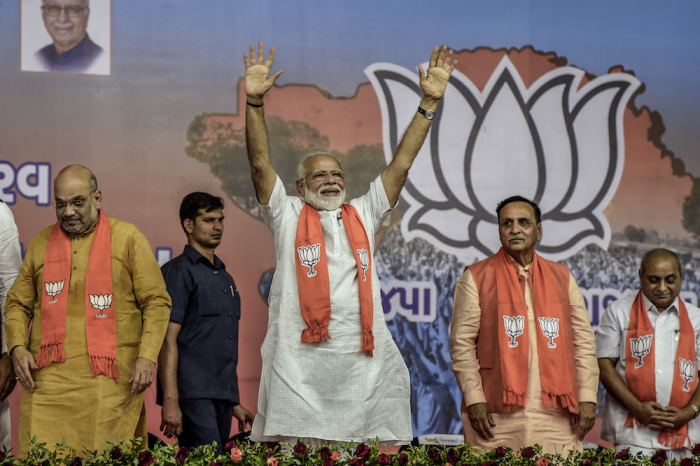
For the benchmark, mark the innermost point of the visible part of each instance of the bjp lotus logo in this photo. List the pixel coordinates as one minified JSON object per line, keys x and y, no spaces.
{"x":558,"y":142}
{"x":514,"y":326}
{"x":640,"y":347}
{"x":101,"y":302}
{"x":53,"y":289}
{"x":310,"y":256}
{"x":687,"y":372}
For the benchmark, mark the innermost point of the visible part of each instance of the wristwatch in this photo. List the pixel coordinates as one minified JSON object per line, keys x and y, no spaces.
{"x":428,"y":114}
{"x":695,"y":408}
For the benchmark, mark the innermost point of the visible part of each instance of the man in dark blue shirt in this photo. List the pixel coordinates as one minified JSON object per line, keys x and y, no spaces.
{"x":198,"y":386}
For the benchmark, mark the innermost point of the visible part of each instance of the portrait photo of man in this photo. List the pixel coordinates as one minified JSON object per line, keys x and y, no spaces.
{"x":66,"y":36}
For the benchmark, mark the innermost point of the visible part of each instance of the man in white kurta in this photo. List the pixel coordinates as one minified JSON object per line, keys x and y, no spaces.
{"x":334,"y":389}
{"x":330,"y":390}
{"x":10,"y":262}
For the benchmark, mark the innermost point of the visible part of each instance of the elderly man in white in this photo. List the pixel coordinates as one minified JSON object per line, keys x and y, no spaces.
{"x":647,"y":348}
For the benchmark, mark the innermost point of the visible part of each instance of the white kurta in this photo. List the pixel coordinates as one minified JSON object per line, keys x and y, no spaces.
{"x":330,"y":390}
{"x":10,"y":262}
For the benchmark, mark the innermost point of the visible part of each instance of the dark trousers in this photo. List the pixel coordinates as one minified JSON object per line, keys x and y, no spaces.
{"x":205,"y":421}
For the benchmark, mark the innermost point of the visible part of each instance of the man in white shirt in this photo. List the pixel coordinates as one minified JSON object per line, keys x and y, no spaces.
{"x":647,"y":349}
{"x":331,"y":371}
{"x":10,"y":262}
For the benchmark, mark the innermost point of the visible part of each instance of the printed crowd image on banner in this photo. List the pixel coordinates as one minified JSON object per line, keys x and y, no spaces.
{"x":525,"y":123}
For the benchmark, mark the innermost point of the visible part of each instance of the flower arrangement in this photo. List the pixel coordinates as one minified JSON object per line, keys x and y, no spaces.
{"x":131,"y":452}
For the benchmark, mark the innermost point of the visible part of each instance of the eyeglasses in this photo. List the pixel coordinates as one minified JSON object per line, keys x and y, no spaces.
{"x":73,"y":11}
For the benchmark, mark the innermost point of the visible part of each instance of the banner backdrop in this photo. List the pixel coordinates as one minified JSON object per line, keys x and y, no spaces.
{"x":591,"y":109}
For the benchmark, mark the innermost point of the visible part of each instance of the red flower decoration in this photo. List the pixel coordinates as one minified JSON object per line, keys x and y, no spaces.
{"x":363,"y":451}
{"x":434,"y":454}
{"x":325,"y":453}
{"x":453,"y":456}
{"x":300,"y":449}
{"x":383,"y":458}
{"x":528,"y":452}
{"x":116,"y":453}
{"x":659,"y":457}
{"x":182,"y":455}
{"x":623,"y":455}
{"x":146,"y":458}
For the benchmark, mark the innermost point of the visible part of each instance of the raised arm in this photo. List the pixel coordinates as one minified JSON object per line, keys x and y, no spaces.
{"x":433,"y":84}
{"x":257,"y":82}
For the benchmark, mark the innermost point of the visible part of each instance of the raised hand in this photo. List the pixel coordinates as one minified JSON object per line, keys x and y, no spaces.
{"x":257,"y":73}
{"x":434,"y":82}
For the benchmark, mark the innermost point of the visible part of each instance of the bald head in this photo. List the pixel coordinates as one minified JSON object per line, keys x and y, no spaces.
{"x":73,"y":172}
{"x":76,"y":198}
{"x":659,"y":254}
{"x":660,"y":277}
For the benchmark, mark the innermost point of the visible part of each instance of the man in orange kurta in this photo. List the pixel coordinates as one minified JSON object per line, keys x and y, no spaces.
{"x":64,"y":399}
{"x":522,"y":345}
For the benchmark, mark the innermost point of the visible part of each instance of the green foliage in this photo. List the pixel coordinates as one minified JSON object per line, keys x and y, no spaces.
{"x":131,"y":452}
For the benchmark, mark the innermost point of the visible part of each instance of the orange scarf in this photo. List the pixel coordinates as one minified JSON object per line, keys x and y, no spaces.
{"x":100,"y":328}
{"x":513,"y":341}
{"x":641,"y":364}
{"x":312,"y":275}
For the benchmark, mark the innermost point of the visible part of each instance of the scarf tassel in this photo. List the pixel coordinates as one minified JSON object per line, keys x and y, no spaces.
{"x":102,"y":365}
{"x":674,"y":439}
{"x":55,"y":350}
{"x":564,"y":400}
{"x":512,"y":398}
{"x":631,"y":421}
{"x":368,"y":343}
{"x":315,"y":334}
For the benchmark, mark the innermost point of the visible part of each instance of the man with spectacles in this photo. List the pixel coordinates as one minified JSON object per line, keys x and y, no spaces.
{"x":331,"y":371}
{"x":72,"y":50}
{"x":92,"y":293}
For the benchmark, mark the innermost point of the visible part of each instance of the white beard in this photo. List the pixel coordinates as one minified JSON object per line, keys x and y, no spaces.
{"x":319,"y":202}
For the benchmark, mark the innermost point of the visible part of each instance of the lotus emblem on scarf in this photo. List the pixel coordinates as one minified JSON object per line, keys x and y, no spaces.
{"x":687,"y":372}
{"x":53,"y":289}
{"x":514,"y":328}
{"x":364,"y":262}
{"x":550,"y":329}
{"x":557,"y":142}
{"x":640,"y":348}
{"x":101,"y":302}
{"x":309,"y":256}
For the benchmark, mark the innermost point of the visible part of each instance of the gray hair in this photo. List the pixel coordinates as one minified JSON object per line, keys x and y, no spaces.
{"x":307,"y":156}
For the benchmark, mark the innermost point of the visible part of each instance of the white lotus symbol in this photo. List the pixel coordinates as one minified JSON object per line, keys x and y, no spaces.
{"x":101,"y":302}
{"x":550,"y":329}
{"x":514,"y":328}
{"x":53,"y":289}
{"x":364,"y":262}
{"x":640,"y":347}
{"x":687,"y":372}
{"x":556,"y":142}
{"x":309,"y":256}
